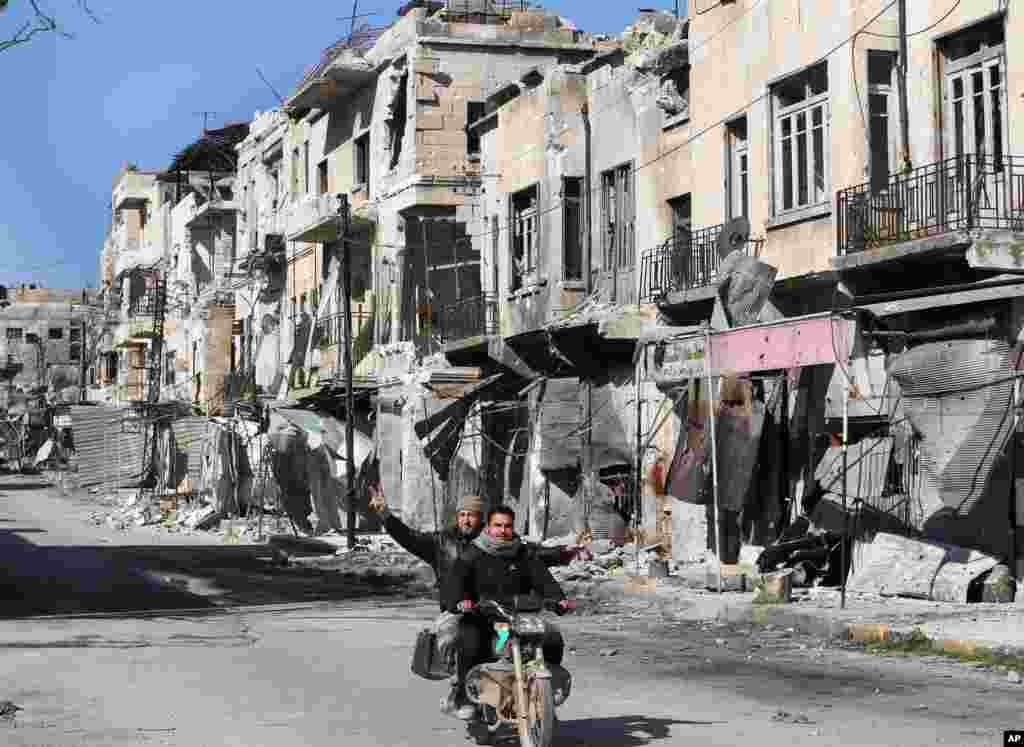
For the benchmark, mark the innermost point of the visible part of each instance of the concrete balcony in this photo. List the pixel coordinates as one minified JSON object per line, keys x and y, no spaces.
{"x":313,"y":218}
{"x":133,"y":190}
{"x":211,"y":214}
{"x":331,"y":81}
{"x":934,"y":206}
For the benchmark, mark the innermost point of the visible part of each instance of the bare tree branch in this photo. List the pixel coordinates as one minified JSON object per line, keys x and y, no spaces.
{"x":41,"y":22}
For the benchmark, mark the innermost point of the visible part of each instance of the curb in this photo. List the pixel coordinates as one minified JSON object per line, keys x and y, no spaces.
{"x":672,"y":598}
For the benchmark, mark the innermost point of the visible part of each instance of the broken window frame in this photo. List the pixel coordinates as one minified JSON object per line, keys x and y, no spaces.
{"x":305,"y":168}
{"x":524,"y":237}
{"x":573,"y":227}
{"x":361,"y":154}
{"x":801,"y":121}
{"x":618,"y":218}
{"x":15,"y":334}
{"x":75,"y":351}
{"x":323,"y":185}
{"x":76,"y":334}
{"x":738,"y":174}
{"x":399,"y":120}
{"x":55,"y":333}
{"x":882,"y":112}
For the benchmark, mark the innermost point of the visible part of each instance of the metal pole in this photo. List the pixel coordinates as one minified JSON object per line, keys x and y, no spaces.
{"x":587,"y":457}
{"x":843,"y":539}
{"x":1014,"y":498}
{"x":637,"y":477}
{"x":346,"y":286}
{"x":904,"y":114}
{"x":714,"y":456}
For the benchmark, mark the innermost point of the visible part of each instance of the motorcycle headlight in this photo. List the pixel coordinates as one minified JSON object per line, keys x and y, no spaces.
{"x":530,"y":625}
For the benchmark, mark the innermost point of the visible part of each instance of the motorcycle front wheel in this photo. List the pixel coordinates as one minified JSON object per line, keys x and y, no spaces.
{"x":540,"y":704}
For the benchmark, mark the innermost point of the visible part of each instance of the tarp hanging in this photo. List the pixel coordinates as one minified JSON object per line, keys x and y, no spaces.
{"x":958,"y":396}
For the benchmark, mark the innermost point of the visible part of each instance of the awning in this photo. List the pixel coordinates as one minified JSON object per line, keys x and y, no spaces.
{"x":817,"y":339}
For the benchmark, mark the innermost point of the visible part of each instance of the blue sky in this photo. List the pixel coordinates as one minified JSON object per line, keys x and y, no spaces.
{"x":131,"y":88}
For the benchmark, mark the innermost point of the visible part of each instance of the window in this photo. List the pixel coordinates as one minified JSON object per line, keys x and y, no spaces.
{"x":681,"y":217}
{"x":295,"y":307}
{"x":75,"y":351}
{"x":275,"y":185}
{"x":295,"y":173}
{"x":397,"y":123}
{"x":525,"y":238}
{"x":321,"y":177}
{"x":572,"y":228}
{"x":882,"y":110}
{"x":975,"y":92}
{"x":674,"y":98}
{"x":801,"y":121}
{"x":56,"y":333}
{"x":14,"y":334}
{"x":302,"y":303}
{"x":363,"y":160}
{"x":305,"y":168}
{"x":739,"y":169}
{"x":617,"y":217}
{"x":169,"y":370}
{"x":495,"y":252}
{"x":76,"y":334}
{"x":474,"y":111}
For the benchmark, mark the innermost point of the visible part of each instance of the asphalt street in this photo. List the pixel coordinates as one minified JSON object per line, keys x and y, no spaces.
{"x":334,"y":670}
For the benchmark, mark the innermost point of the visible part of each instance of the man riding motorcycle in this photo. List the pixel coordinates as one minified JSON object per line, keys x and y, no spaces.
{"x":440,"y":549}
{"x":498,"y":566}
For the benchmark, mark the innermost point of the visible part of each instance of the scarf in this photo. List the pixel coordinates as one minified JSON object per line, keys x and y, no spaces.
{"x":498,"y":548}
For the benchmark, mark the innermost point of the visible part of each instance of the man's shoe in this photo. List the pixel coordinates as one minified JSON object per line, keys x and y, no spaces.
{"x":450,"y":702}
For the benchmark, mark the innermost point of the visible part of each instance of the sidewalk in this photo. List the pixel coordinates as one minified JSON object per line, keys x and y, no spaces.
{"x":964,"y":628}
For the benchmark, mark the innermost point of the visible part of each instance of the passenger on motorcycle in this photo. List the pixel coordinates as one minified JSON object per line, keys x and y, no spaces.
{"x":500,"y":567}
{"x":440,"y":550}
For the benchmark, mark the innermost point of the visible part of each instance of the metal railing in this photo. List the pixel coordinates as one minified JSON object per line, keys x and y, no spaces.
{"x":960,"y":193}
{"x":330,"y":330}
{"x":483,"y":11}
{"x":690,"y":259}
{"x":469,"y":317}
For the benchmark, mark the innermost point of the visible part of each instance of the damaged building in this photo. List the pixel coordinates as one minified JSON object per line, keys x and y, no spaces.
{"x":642,"y":286}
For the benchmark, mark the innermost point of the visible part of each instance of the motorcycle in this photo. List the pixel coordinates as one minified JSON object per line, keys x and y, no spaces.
{"x":517,"y":687}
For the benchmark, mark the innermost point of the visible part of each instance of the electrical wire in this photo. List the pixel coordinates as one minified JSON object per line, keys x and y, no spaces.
{"x":596,"y":192}
{"x":948,"y":13}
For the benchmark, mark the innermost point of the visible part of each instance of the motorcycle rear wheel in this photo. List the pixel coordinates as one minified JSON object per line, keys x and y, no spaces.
{"x":540,"y":703}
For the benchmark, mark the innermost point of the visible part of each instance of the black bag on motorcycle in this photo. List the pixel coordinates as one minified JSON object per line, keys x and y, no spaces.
{"x":427,"y":661}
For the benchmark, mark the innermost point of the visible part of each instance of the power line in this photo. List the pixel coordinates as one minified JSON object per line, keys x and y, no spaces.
{"x":596,"y":192}
{"x":949,"y":12}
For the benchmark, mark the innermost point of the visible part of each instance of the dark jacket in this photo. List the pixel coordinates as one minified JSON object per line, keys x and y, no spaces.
{"x":441,"y":549}
{"x":477,"y":575}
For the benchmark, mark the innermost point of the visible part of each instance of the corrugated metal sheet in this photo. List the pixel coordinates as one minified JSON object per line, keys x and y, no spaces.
{"x":106,"y":455}
{"x":190,"y":433}
{"x":958,"y":397}
{"x":867,"y":465}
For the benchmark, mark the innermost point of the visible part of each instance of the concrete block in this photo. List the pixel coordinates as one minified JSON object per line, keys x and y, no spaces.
{"x":775,"y":588}
{"x":868,"y":632}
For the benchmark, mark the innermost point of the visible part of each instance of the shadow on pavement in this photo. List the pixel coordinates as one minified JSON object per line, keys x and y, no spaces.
{"x":41,"y":580}
{"x":70,"y":579}
{"x":619,"y":731}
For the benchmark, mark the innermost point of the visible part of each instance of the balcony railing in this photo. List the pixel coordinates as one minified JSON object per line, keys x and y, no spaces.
{"x":330,"y":330}
{"x":690,"y":259}
{"x":470,"y":317}
{"x":960,"y":193}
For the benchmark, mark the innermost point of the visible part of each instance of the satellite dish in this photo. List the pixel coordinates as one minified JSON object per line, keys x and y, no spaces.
{"x":734,"y":235}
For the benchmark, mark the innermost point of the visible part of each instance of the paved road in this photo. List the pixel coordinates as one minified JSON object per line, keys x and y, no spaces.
{"x":337,"y":672}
